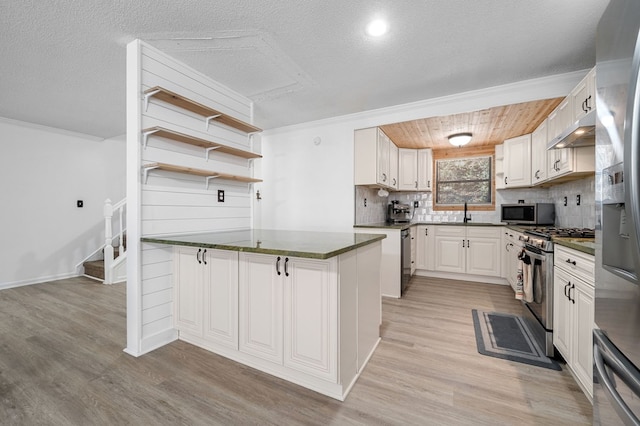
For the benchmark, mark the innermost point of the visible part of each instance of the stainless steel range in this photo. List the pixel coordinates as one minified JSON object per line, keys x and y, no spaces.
{"x":538,"y":250}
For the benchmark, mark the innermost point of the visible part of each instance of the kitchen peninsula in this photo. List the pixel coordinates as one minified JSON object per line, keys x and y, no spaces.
{"x":302,"y":306}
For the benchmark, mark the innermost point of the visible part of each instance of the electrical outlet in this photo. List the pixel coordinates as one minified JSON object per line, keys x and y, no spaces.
{"x":80,"y":204}
{"x":221,"y":195}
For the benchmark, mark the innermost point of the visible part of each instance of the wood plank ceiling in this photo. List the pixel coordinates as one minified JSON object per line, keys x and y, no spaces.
{"x":489,"y":126}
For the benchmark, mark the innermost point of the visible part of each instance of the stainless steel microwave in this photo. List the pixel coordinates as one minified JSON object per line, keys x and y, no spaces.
{"x":528,"y":214}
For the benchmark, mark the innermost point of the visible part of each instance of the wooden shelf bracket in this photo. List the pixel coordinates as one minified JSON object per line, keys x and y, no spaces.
{"x":145,"y":136}
{"x":208,"y":150}
{"x":208,"y":120}
{"x":148,"y":96}
{"x":209,"y":178}
{"x":146,"y":169}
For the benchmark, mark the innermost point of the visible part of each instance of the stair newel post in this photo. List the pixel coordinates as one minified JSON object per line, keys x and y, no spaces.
{"x":108,"y":236}
{"x":121,"y":234}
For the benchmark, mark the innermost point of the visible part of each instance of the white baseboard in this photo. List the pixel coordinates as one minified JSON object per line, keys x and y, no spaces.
{"x":463,"y":277}
{"x":39,"y":280}
{"x":151,"y":343}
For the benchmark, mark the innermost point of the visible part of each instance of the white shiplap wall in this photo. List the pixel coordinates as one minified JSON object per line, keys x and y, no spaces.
{"x":175,"y":203}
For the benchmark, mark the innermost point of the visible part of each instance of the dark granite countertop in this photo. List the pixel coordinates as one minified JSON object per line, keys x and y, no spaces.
{"x":584,"y":245}
{"x":315,"y":245}
{"x":384,"y":225}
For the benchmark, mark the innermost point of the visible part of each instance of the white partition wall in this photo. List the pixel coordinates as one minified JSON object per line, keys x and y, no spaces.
{"x":161,"y":202}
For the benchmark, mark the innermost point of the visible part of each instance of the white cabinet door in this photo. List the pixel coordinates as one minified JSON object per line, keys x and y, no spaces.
{"x":393,"y":165}
{"x":562,"y":313}
{"x":582,"y":363}
{"x":583,"y":96}
{"x":188,"y":290}
{"x":499,"y":166}
{"x":450,"y":254}
{"x":483,"y":253}
{"x":311,"y":316}
{"x":408,"y":169}
{"x":261,"y":312}
{"x":425,"y":169}
{"x":517,"y":161}
{"x":383,"y":147}
{"x":413,"y":231}
{"x":425,"y":248}
{"x":539,"y":154}
{"x":221,"y":297}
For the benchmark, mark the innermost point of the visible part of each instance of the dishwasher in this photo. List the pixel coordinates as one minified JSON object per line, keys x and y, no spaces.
{"x":405,"y":259}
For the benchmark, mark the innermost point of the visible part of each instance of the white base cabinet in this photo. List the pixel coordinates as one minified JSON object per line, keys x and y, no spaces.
{"x":313,"y":322}
{"x":573,"y":313}
{"x":468,"y":250}
{"x":206,"y":294}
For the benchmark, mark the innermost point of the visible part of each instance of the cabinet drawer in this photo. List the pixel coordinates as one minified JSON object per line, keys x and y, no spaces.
{"x":483,"y":232}
{"x":450,"y":231}
{"x":577,"y":263}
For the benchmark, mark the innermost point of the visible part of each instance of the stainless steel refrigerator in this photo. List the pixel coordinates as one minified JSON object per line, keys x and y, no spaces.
{"x":616,"y":350}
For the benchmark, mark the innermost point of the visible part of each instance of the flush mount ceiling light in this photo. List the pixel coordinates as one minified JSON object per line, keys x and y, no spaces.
{"x":376,"y":28}
{"x":460,"y":139}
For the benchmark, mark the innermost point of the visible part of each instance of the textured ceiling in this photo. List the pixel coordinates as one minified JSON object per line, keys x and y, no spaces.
{"x":63,"y":61}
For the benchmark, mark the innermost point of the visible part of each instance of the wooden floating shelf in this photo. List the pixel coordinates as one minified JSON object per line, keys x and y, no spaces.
{"x":209,"y":174}
{"x":195,"y":107}
{"x":203,"y":143}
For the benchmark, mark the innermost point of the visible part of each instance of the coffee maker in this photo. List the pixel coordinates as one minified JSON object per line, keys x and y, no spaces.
{"x":398,"y":213}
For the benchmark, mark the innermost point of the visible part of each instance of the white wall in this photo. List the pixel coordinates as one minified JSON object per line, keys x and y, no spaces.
{"x":175,"y":203}
{"x":308,"y":186}
{"x":43,"y":172}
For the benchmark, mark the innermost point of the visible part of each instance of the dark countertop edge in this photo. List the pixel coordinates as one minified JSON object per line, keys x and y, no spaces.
{"x":292,"y":253}
{"x":572,"y":244}
{"x":402,"y":226}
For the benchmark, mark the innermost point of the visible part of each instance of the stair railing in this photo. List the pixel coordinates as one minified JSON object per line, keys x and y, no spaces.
{"x":109,"y":210}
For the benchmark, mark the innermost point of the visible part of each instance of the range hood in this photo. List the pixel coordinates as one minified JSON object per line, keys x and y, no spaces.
{"x":580,"y":133}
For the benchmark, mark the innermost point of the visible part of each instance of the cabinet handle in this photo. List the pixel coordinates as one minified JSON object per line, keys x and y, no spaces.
{"x":384,"y":177}
{"x":428,"y":184}
{"x":589,"y":103}
{"x":462,"y":243}
{"x":426,"y":232}
{"x":204,"y":259}
{"x":468,"y":244}
{"x":573,"y":262}
{"x":584,"y":106}
{"x":286,"y":266}
{"x":565,"y":290}
{"x":278,"y":265}
{"x":416,"y":184}
{"x":394,"y":181}
{"x":537,"y":175}
{"x":573,"y":286}
{"x":505,"y":180}
{"x":198,"y":256}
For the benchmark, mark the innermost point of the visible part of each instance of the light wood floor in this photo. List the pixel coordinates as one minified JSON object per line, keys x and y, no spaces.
{"x":61,"y":363}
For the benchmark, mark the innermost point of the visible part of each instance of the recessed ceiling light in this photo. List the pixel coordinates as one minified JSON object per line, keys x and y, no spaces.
{"x":376,"y":28}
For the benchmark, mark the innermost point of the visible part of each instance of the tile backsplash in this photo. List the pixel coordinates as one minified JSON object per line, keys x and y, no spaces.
{"x":570,"y":215}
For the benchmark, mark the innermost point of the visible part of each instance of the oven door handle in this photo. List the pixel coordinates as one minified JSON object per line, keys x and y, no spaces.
{"x":536,"y":256}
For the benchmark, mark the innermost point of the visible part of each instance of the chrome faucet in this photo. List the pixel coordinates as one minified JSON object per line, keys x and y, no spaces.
{"x":466,"y":219}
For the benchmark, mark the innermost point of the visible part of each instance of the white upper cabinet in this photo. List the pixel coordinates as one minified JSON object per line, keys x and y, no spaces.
{"x":539,"y":154}
{"x":393,"y":165}
{"x":499,"y":166}
{"x":583,"y":96}
{"x":416,"y":169}
{"x":560,"y":118}
{"x":517,"y":161}
{"x":373,"y":156}
{"x":408,"y":173}
{"x":425,"y":169}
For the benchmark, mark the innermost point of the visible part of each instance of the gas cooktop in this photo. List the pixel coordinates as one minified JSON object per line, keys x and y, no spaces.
{"x":549,"y":232}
